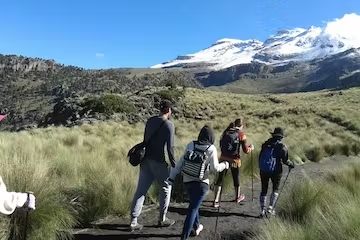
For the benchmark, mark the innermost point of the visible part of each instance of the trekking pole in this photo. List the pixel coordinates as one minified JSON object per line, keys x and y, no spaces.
{"x":222,"y":186}
{"x":282,"y":187}
{"x":27,"y":217}
{"x":252,"y":177}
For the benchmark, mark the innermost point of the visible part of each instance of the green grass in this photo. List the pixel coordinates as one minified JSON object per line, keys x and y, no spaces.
{"x":81,"y":174}
{"x":326,"y":208}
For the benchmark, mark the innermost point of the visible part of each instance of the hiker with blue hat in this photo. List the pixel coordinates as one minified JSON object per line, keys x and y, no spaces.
{"x":272,"y":155}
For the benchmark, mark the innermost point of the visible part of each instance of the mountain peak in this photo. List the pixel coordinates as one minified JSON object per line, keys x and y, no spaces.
{"x":298,"y":44}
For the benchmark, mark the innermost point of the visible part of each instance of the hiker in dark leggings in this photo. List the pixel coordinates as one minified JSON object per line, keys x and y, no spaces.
{"x":272,"y":171}
{"x":196,"y":176}
{"x":235,"y":162}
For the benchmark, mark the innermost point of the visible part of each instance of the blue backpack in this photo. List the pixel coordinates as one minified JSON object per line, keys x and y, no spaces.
{"x":268,"y":158}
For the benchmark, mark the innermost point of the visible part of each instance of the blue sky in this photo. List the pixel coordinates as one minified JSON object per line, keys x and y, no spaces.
{"x":142,"y":33}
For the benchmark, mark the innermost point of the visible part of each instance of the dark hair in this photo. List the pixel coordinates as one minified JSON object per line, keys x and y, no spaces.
{"x":165,"y":105}
{"x":238,"y":122}
{"x":231,"y":125}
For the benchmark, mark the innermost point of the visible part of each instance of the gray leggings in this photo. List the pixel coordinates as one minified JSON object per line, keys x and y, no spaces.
{"x":151,"y":170}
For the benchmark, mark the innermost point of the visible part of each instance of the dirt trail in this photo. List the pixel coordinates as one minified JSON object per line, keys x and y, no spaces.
{"x":235,"y":220}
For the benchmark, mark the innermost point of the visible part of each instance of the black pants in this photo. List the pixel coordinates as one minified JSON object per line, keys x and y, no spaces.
{"x":265,"y":177}
{"x":235,"y":172}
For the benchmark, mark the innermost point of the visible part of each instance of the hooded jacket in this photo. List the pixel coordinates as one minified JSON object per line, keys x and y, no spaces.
{"x":9,"y":201}
{"x":205,"y":141}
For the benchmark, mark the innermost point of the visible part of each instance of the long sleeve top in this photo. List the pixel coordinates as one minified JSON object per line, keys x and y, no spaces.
{"x":212,"y":159}
{"x":9,"y":201}
{"x":164,"y":136}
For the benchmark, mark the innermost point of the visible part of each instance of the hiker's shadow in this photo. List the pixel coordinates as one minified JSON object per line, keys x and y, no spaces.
{"x":209,"y":213}
{"x":127,"y":234}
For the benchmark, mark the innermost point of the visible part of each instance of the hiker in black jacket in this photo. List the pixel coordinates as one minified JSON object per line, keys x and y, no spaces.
{"x":272,"y":155}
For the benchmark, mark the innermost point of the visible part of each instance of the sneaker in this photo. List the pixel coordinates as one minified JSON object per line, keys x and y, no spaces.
{"x":271,"y":211}
{"x":135,"y":226}
{"x":216,"y":204}
{"x":199,"y":229}
{"x":167,"y":223}
{"x":262,"y":213}
{"x":239,"y":199}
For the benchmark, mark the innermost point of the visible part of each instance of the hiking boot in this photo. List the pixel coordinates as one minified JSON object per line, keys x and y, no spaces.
{"x":240,"y":198}
{"x":135,"y":226}
{"x":166,"y":223}
{"x":271,"y":210}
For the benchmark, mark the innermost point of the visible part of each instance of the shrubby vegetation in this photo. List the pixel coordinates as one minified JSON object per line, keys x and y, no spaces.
{"x":324,"y":209}
{"x":108,"y":104}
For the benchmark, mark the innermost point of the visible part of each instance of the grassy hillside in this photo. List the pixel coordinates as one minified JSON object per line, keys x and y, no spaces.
{"x":80,"y":174}
{"x":30,"y":87}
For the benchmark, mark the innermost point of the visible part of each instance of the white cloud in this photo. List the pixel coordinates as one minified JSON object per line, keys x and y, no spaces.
{"x":99,"y":55}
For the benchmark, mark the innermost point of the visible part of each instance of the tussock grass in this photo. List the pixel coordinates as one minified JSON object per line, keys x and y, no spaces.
{"x":81,"y":174}
{"x":326,"y":208}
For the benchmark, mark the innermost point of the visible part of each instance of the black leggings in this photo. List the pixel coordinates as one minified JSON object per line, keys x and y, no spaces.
{"x":235,"y":172}
{"x":265,"y":177}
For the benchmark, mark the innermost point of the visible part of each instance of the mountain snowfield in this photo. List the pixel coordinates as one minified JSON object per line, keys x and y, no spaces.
{"x":297,"y":45}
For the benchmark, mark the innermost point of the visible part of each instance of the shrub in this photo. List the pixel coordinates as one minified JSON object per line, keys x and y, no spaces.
{"x":108,"y":104}
{"x":345,"y":149}
{"x":315,"y":154}
{"x":171,"y":94}
{"x":356,"y":148}
{"x":331,"y":150}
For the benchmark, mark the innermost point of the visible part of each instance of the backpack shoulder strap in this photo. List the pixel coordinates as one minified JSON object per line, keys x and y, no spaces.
{"x":155,"y":133}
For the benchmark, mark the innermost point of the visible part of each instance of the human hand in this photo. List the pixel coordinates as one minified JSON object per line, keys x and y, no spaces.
{"x":169,"y":181}
{"x":227,"y":165}
{"x":30,"y":203}
{"x":291,"y":165}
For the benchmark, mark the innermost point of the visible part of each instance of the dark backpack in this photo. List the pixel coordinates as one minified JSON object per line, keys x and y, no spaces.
{"x":269,"y":156}
{"x":137,"y":153}
{"x":195,"y":163}
{"x":230,"y":143}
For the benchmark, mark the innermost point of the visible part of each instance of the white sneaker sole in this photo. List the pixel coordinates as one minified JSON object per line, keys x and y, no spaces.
{"x":200,"y":228}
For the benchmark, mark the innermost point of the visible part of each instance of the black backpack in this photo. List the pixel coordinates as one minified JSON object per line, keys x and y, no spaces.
{"x":137,"y":153}
{"x":230,"y":143}
{"x":195,"y":163}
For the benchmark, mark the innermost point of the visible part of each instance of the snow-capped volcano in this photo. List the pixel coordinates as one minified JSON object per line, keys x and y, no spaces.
{"x":298,"y":44}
